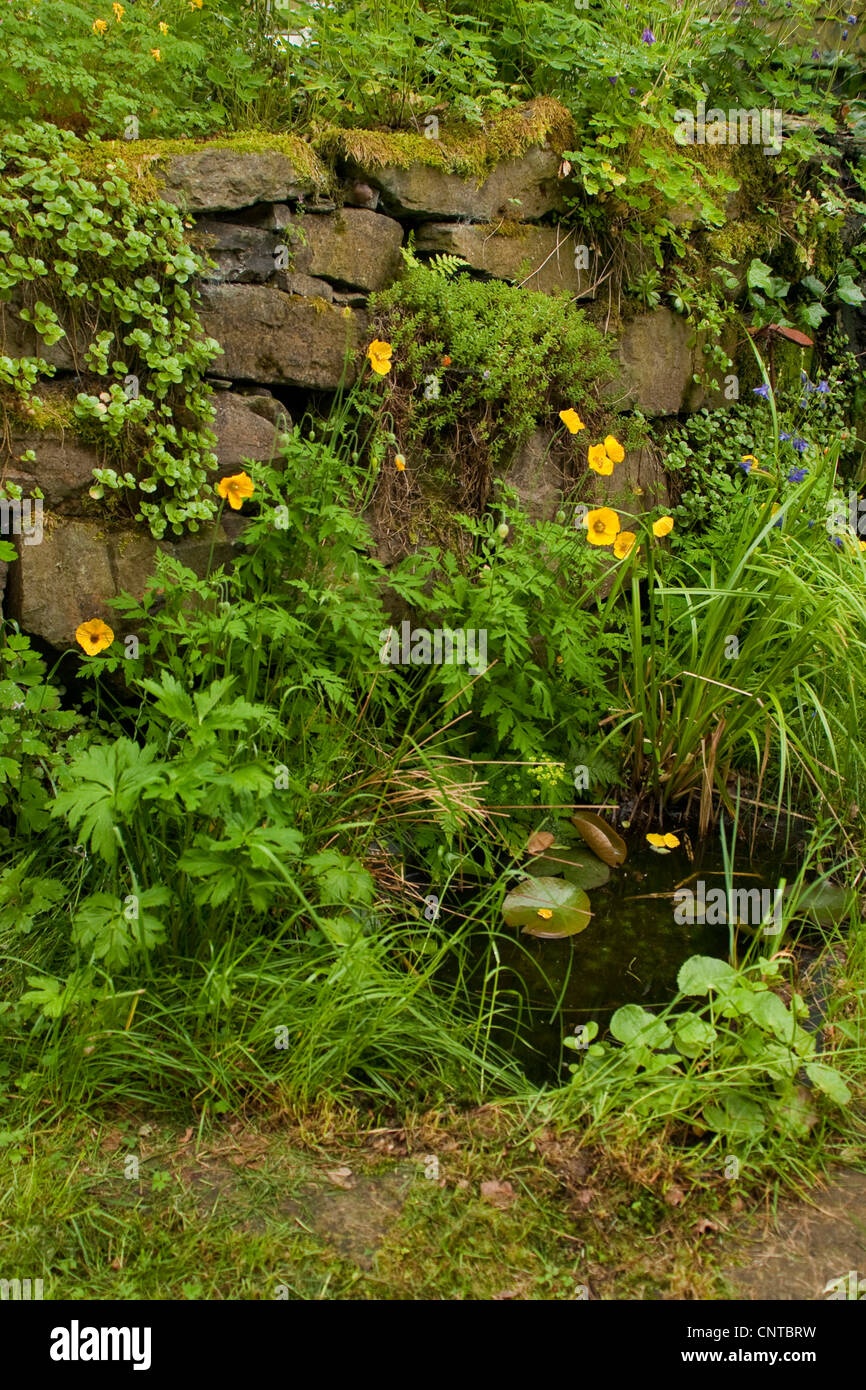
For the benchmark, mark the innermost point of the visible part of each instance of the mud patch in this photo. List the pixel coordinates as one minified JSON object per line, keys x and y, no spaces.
{"x":812,"y":1244}
{"x":354,"y":1219}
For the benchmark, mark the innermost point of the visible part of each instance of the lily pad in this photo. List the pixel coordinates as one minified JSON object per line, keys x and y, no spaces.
{"x":548,"y":908}
{"x":828,"y":903}
{"x":578,"y":866}
{"x":602,"y":839}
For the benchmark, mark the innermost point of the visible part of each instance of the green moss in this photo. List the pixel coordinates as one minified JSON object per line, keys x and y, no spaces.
{"x":460,"y":150}
{"x":142,"y":160}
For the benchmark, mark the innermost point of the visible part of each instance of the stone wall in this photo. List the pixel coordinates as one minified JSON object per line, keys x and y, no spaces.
{"x":295,"y":256}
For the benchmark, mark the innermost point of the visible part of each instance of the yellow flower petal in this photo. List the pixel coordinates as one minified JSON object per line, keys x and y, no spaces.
{"x":546,"y":913}
{"x":236,"y":489}
{"x":624,"y":544}
{"x":571,"y":420}
{"x":99,"y":26}
{"x":400,"y":463}
{"x":379,"y":354}
{"x":155,"y":53}
{"x":602,"y":526}
{"x":663,"y":526}
{"x":163,"y":28}
{"x":94,"y":636}
{"x":614,"y":449}
{"x":671,"y":841}
{"x":657,"y":841}
{"x":599,"y":461}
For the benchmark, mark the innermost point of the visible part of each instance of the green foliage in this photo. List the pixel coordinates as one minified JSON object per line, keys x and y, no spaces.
{"x":514,"y":357}
{"x":730,"y":1065}
{"x":119,"y":275}
{"x":212,"y":64}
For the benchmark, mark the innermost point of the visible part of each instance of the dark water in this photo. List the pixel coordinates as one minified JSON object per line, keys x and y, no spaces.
{"x":630,"y":952}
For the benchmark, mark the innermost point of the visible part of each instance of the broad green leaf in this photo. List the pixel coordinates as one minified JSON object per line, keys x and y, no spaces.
{"x":693,"y":1034}
{"x":631,"y":1022}
{"x":700,"y":974}
{"x":548,"y":908}
{"x":578,"y":866}
{"x":830,"y":1081}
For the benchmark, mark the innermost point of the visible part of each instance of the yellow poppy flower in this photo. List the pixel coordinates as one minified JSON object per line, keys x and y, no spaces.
{"x":379,"y":354}
{"x":663,"y":526}
{"x":400,"y":463}
{"x":599,"y":461}
{"x":195,"y":4}
{"x":545,"y":912}
{"x":614,"y":449}
{"x":155,"y":53}
{"x":94,"y":636}
{"x":624,"y":544}
{"x":663,"y":844}
{"x":862,"y":545}
{"x":602,"y":526}
{"x":163,"y":27}
{"x":571,"y":420}
{"x":119,"y":12}
{"x":99,"y":26}
{"x":236,"y":489}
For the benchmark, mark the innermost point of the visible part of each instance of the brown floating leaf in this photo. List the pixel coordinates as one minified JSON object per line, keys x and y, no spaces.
{"x":602,"y":839}
{"x":539,"y":841}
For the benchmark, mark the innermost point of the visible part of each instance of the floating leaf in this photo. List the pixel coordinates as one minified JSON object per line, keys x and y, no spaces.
{"x":576,"y":865}
{"x":826,"y":902}
{"x":565,"y":908}
{"x":539,"y":841}
{"x":602,"y":839}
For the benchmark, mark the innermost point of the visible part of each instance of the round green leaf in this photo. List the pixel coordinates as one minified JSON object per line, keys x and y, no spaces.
{"x":548,"y":908}
{"x":700,"y":974}
{"x":578,"y":866}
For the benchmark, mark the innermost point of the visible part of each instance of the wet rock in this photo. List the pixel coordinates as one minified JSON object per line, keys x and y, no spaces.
{"x":243,"y":255}
{"x":539,"y":258}
{"x":221,"y":179}
{"x":63,"y":467}
{"x":243,"y":432}
{"x":271,"y":337}
{"x":80,"y":565}
{"x":353,"y":248}
{"x":526,"y":188}
{"x":308,"y":285}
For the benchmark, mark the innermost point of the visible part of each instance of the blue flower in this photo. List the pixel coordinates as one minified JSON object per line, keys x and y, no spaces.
{"x":797,"y":475}
{"x":648,"y":36}
{"x":815,"y":55}
{"x":823,"y":387}
{"x":631,"y":91}
{"x":747,"y":462}
{"x":837,"y":541}
{"x":844,"y":33}
{"x":762,"y":391}
{"x":784,"y":436}
{"x":852,"y":19}
{"x":613,"y":80}
{"x":800,"y":445}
